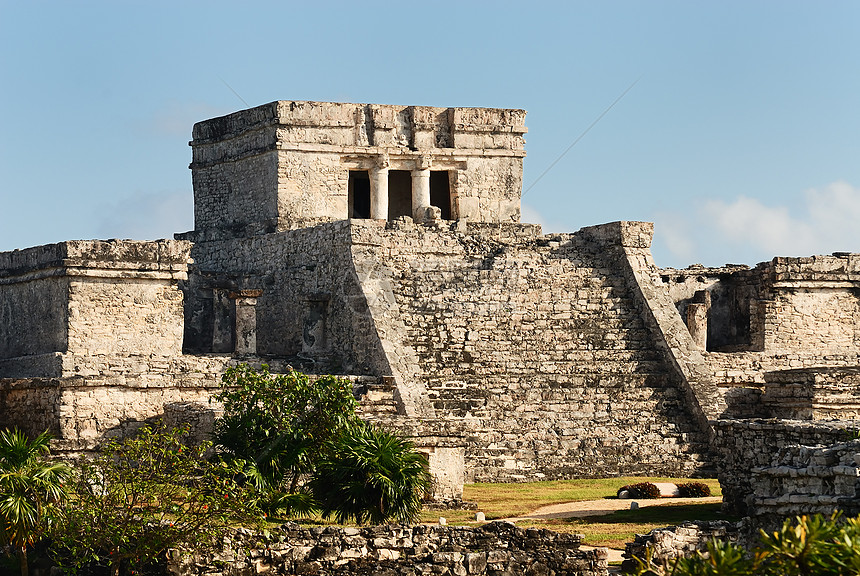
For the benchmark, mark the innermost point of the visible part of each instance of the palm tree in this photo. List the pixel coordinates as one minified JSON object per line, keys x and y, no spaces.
{"x":30,"y":484}
{"x":371,"y":475}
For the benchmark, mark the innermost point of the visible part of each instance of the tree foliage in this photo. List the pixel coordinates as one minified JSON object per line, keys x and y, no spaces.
{"x":281,"y":421}
{"x":308,"y":450}
{"x":282,"y":424}
{"x":31,"y":487}
{"x":803,"y":546}
{"x":143,"y":495}
{"x":370,"y":475}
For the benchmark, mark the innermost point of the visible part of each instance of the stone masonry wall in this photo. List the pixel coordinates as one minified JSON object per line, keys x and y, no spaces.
{"x":667,"y":544}
{"x":80,"y":412}
{"x":809,"y":480}
{"x":494,"y":549}
{"x":33,"y":302}
{"x":282,"y":165}
{"x":535,"y":343}
{"x":538,"y":344}
{"x":743,"y":445}
{"x":97,"y":299}
{"x":306,"y":276}
{"x":809,"y":303}
{"x":813,"y":394}
{"x":237,"y":195}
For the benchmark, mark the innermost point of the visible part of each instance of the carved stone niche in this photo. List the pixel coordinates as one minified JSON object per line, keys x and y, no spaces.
{"x":245,"y":322}
{"x":314,"y":327}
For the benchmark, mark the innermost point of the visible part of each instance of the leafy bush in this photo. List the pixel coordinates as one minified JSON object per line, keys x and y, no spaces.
{"x":642,"y":490}
{"x":370,"y":475}
{"x":693,"y":490}
{"x":143,"y":495}
{"x":281,"y":425}
{"x":805,"y":545}
{"x":31,"y":488}
{"x":303,"y":447}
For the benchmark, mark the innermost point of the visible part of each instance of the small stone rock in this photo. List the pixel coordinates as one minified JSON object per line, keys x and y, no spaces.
{"x":480,"y":517}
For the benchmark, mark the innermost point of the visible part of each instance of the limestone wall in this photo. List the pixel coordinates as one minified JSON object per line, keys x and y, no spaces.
{"x":310,"y":306}
{"x":90,"y":299}
{"x":80,"y":412}
{"x":809,"y":480}
{"x":664,"y":545}
{"x":491,"y":549}
{"x":284,"y":164}
{"x":743,"y":445}
{"x":538,"y":344}
{"x":809,"y":303}
{"x":813,"y":394}
{"x":788,"y":306}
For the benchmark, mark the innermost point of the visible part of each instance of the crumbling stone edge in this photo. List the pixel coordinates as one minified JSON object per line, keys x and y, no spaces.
{"x":493,"y":548}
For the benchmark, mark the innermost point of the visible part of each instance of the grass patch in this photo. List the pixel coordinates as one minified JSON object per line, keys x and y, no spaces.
{"x":614,"y":530}
{"x":510,"y":500}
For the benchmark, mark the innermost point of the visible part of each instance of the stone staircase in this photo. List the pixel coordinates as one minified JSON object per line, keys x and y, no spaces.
{"x":538,"y":344}
{"x":376,"y":397}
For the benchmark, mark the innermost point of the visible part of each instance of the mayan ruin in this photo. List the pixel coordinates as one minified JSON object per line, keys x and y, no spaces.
{"x":386,"y":244}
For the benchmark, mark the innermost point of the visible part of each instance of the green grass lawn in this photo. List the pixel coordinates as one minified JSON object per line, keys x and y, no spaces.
{"x":613,"y":530}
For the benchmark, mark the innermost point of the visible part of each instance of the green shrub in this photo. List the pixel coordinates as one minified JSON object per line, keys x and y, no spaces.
{"x":142,"y":495}
{"x":642,"y":490}
{"x":693,"y":490}
{"x":370,"y":475}
{"x":303,"y":447}
{"x":281,"y":424}
{"x":805,"y":545}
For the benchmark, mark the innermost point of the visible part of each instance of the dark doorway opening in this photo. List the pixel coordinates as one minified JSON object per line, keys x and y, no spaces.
{"x":359,"y":194}
{"x":440,"y":193}
{"x":399,"y":193}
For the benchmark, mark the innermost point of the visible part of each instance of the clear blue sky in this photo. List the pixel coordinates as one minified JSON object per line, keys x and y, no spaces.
{"x":740,"y":140}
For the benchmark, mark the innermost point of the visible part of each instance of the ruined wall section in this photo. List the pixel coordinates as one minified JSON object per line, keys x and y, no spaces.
{"x":731,"y":289}
{"x":286,"y":165}
{"x":537,"y":344}
{"x":490,"y":549}
{"x":310,"y":307}
{"x":786,"y":314}
{"x":809,"y":303}
{"x":744,"y":445}
{"x":33,"y":302}
{"x":81,"y":412}
{"x":77,"y":305}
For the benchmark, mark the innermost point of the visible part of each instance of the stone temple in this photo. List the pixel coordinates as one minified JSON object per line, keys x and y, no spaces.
{"x":384,"y":243}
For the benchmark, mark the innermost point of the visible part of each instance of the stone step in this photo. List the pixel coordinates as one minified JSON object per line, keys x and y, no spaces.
{"x":376,"y":397}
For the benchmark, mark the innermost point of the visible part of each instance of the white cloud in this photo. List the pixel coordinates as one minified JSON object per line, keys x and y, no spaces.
{"x":147,"y":216}
{"x":747,"y":230}
{"x":827,"y":223}
{"x":675,"y":234}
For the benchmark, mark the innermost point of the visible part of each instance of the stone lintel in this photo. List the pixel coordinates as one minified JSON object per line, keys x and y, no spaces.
{"x":240,"y":294}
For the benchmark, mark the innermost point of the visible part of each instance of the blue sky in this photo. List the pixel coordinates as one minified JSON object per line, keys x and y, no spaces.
{"x":740,"y":139}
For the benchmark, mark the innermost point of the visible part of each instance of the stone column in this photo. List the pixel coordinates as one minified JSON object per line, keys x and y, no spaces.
{"x":246,"y":320}
{"x":697,"y":318}
{"x":379,"y":190}
{"x":421,"y":189}
{"x":223,"y":313}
